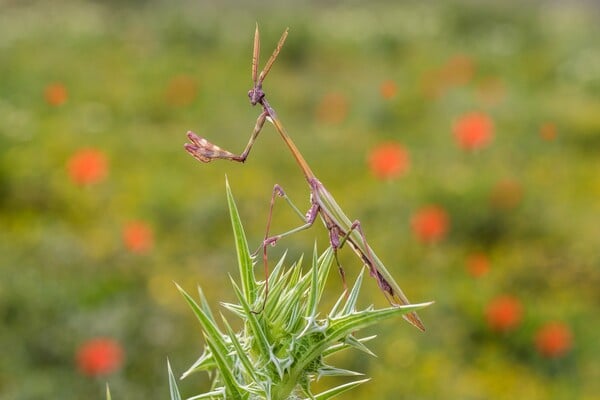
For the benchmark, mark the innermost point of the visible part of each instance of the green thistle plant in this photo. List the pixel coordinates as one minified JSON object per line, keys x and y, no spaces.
{"x":282,"y":349}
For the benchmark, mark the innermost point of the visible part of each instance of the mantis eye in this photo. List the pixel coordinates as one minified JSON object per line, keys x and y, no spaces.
{"x":253,"y":97}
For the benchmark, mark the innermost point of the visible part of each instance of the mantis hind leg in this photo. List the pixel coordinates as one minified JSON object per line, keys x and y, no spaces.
{"x":309,"y":218}
{"x":366,"y":257}
{"x":334,"y":241}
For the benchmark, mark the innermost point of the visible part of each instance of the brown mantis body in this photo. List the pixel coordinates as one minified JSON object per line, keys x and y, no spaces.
{"x":339,"y":226}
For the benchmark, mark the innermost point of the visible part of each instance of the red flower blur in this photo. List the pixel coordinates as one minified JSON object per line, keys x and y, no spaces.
{"x":333,"y":108}
{"x":138,"y":237}
{"x":388,"y":89}
{"x":389,"y":160}
{"x":473,"y":131}
{"x":99,"y":356}
{"x":430,"y":224}
{"x":478,"y":264}
{"x":548,"y":131}
{"x":87,"y":166}
{"x":55,"y":94}
{"x":554,"y":340}
{"x":504,"y":313}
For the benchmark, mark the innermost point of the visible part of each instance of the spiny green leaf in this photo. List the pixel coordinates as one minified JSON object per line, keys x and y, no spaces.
{"x":327,"y":370}
{"x":336,"y":307}
{"x":236,"y":309}
{"x":313,"y":297}
{"x":324,"y":265}
{"x":225,"y":367}
{"x":276,"y":284}
{"x":331,"y":393}
{"x":174,"y":391}
{"x":207,"y":323}
{"x":218,"y":393}
{"x":245,"y":263}
{"x":290,"y":302}
{"x":204,"y":304}
{"x":203,"y":363}
{"x":255,"y":326}
{"x":350,"y":341}
{"x":342,"y":326}
{"x":353,"y":296}
{"x":294,"y":279}
{"x":282,"y":347}
{"x":277,"y":289}
{"x":359,"y":344}
{"x":274,"y":275}
{"x":241,"y":353}
{"x":294,"y":318}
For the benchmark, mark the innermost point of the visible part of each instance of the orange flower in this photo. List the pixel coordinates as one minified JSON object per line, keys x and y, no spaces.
{"x":138,"y":237}
{"x":55,"y":94}
{"x":87,"y":166}
{"x":554,"y":340}
{"x":333,"y":108}
{"x":99,"y":356}
{"x":388,"y":89}
{"x":430,"y":224}
{"x":504,"y":313}
{"x":473,"y":131}
{"x":181,"y":90}
{"x":478,"y":264}
{"x":389,"y":160}
{"x":548,"y":131}
{"x":506,"y":194}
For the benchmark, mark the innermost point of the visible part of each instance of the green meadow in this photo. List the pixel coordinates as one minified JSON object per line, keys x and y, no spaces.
{"x":491,"y":112}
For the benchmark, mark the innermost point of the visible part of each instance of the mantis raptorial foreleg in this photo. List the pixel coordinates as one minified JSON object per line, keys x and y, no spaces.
{"x":260,"y":122}
{"x":205,"y":151}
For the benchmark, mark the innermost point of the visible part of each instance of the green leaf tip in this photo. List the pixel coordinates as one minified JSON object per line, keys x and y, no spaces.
{"x":245,"y":263}
{"x":173,"y":390}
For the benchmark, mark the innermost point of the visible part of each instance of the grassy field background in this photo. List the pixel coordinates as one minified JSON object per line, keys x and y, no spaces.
{"x":101,"y":209}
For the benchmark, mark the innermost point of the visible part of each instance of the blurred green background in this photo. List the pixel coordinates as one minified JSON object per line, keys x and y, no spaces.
{"x":128,"y":79}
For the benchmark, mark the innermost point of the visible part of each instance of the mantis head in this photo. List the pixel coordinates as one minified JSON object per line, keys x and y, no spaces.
{"x":256,"y":95}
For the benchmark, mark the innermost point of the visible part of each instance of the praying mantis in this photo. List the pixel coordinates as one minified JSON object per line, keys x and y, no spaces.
{"x":341,"y":229}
